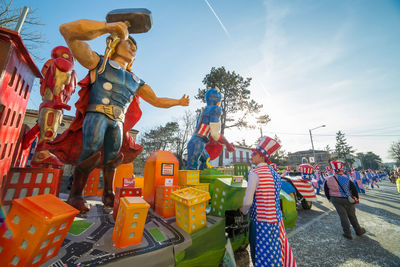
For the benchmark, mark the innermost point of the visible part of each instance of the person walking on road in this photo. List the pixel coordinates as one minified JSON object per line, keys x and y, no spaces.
{"x":268,"y":242}
{"x":339,"y":189}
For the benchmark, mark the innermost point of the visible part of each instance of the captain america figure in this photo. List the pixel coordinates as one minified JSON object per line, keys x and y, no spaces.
{"x":207,"y":138}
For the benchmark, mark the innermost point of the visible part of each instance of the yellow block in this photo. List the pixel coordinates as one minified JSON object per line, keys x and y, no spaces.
{"x":188,"y":177}
{"x":190,"y":208}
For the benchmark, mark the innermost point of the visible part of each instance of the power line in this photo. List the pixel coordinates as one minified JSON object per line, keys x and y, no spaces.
{"x":354,"y":135}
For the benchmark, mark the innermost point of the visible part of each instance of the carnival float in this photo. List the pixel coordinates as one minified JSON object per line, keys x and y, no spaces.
{"x":168,"y":217}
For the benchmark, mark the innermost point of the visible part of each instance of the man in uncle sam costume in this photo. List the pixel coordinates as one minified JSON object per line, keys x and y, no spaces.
{"x":268,"y":243}
{"x":338,"y":188}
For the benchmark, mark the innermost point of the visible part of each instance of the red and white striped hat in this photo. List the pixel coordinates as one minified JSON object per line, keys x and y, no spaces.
{"x":316,"y":167}
{"x":328,"y":168}
{"x":267,"y":147}
{"x":306,"y":168}
{"x":273,"y":165}
{"x":337,"y":165}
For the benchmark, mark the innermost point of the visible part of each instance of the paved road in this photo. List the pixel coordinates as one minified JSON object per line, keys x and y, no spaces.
{"x":317,"y":237}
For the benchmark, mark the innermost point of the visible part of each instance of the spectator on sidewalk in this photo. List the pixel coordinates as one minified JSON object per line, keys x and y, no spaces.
{"x":338,"y":188}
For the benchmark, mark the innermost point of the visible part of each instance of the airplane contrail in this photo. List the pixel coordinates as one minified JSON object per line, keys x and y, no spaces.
{"x":220,"y":22}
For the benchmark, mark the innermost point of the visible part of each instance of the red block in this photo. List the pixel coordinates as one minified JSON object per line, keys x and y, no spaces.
{"x":26,"y":182}
{"x":128,"y":191}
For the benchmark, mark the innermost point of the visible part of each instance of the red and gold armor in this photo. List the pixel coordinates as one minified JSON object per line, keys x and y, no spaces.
{"x":56,"y":87}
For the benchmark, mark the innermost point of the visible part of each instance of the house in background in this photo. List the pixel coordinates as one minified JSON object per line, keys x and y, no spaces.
{"x":241,"y":154}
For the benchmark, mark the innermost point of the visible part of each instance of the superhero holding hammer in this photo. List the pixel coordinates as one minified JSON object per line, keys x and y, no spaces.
{"x":108,"y":106}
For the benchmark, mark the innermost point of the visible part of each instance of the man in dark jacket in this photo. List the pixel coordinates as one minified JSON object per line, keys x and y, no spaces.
{"x":338,"y":188}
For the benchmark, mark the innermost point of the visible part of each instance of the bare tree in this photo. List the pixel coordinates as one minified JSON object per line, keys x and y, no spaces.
{"x":394,"y":151}
{"x":9,"y":16}
{"x":187,"y":124}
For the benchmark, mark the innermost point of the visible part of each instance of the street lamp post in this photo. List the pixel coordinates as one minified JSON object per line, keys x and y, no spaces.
{"x":312,"y":143}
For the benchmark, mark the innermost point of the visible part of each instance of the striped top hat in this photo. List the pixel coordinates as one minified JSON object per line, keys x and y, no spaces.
{"x":337,"y":165}
{"x":267,"y":147}
{"x":317,"y":168}
{"x":306,"y":168}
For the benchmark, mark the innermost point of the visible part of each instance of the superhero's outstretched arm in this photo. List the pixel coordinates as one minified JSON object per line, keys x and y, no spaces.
{"x":76,"y":32}
{"x":148,"y":95}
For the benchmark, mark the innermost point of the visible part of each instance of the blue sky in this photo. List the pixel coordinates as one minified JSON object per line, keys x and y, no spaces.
{"x":312,"y":62}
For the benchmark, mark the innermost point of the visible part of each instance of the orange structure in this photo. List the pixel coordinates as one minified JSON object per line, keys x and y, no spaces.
{"x":123,"y":171}
{"x":25,"y":182}
{"x":161,"y":168}
{"x":139,"y":182}
{"x":37,"y":227}
{"x":126,"y":191}
{"x":164,"y":205}
{"x":129,"y":225}
{"x":17,"y":73}
{"x":190,"y":207}
{"x":92,"y":183}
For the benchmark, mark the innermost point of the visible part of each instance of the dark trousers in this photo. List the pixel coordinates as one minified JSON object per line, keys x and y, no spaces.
{"x":346,"y":212}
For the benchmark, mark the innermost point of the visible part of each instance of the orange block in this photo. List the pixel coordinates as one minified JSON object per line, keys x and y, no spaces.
{"x":129,"y":225}
{"x":139,"y":182}
{"x":161,"y":168}
{"x":164,"y":205}
{"x":37,"y":227}
{"x":123,"y":171}
{"x":92,"y":183}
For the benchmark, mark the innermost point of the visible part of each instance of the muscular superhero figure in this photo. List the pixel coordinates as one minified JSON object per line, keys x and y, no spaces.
{"x":113,"y":88}
{"x":207,"y":128}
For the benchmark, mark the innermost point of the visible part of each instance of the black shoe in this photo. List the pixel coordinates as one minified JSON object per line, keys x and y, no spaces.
{"x":348,"y":236}
{"x":361,"y":232}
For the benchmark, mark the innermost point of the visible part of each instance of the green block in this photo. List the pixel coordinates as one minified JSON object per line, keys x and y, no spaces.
{"x":157,"y":234}
{"x":289,"y":211}
{"x":207,"y":249}
{"x":227,"y":196}
{"x":241,"y":169}
{"x":78,"y":226}
{"x":210,"y":175}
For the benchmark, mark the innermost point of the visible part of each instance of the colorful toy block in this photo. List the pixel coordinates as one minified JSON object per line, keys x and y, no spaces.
{"x":26,"y":182}
{"x":190,"y":207}
{"x":161,"y":168}
{"x":37,"y":227}
{"x":129,"y":225}
{"x":188,"y":177}
{"x":128,"y":191}
{"x":202,"y":186}
{"x":92,"y":183}
{"x":225,"y":190}
{"x":164,"y":205}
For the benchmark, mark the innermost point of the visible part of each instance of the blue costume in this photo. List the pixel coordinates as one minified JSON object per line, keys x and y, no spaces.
{"x":196,"y":146}
{"x":111,"y":94}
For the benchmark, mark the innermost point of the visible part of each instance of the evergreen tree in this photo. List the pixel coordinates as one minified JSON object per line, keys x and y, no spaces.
{"x":344,"y":151}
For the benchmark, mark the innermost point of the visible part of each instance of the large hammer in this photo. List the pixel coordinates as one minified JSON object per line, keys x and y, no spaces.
{"x":138,"y":20}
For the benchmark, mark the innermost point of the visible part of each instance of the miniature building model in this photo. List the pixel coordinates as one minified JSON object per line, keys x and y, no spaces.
{"x":225,"y":190}
{"x":190,"y":207}
{"x":25,"y":182}
{"x":92,"y":183}
{"x":127,"y":191}
{"x":17,"y":72}
{"x":37,"y":227}
{"x":129,"y":225}
{"x":165,"y":206}
{"x":188,"y":177}
{"x":161,"y":168}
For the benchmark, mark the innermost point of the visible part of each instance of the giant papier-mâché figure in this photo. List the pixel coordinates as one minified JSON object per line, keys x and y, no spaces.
{"x":109,"y":103}
{"x":207,"y":141}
